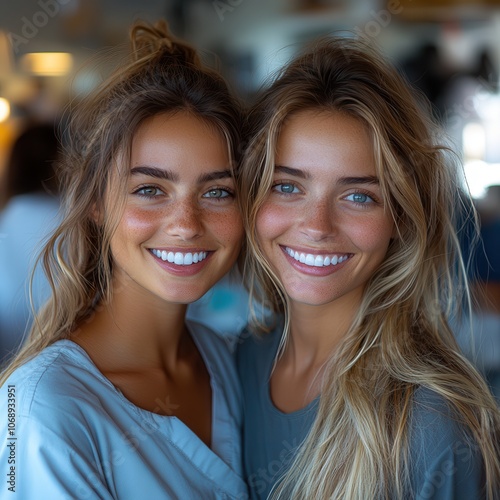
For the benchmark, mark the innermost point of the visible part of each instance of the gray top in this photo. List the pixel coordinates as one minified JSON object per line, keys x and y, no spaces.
{"x":444,"y":464}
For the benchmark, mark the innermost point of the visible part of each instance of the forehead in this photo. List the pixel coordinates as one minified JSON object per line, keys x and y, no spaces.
{"x":179,"y":141}
{"x":312,"y":137}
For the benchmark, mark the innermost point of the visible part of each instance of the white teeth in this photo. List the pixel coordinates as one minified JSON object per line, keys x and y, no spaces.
{"x":316,"y":260}
{"x":309,"y":260}
{"x":179,"y":258}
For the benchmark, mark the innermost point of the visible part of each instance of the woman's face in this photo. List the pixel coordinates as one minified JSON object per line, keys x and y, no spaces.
{"x":323,"y":227}
{"x":181,"y":229}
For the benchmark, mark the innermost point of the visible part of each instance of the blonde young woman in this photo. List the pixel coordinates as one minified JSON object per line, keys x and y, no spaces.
{"x":115,"y":395}
{"x":359,"y":390}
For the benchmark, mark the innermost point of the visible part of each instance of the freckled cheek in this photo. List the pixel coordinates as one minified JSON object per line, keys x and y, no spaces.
{"x":372,"y":234}
{"x":226,"y":227}
{"x":272,"y":221}
{"x":136,"y":221}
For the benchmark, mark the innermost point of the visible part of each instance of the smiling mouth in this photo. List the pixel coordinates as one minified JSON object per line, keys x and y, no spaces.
{"x":315,"y":260}
{"x":180,"y":258}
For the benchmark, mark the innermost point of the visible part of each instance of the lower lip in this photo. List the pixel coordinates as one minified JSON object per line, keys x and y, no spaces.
{"x":313,"y":270}
{"x":189,"y":270}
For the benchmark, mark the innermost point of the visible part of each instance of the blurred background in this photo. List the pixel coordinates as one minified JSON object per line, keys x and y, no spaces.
{"x":449,"y":49}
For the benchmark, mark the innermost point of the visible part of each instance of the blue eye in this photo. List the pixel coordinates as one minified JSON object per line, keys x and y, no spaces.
{"x":361,"y":198}
{"x":217,"y":193}
{"x":286,"y":188}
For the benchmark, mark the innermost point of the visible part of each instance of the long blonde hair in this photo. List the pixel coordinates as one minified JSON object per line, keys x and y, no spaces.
{"x":162,"y":75}
{"x":400,"y":338}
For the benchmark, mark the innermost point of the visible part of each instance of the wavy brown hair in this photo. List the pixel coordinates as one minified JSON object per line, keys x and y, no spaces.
{"x":161,"y":75}
{"x":400,"y":338}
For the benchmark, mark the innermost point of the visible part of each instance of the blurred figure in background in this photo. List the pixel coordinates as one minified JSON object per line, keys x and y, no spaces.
{"x":28,"y":212}
{"x":429,"y":72}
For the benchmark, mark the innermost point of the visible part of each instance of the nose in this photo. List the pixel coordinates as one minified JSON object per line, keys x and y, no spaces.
{"x":185,"y":220}
{"x":318,"y":220}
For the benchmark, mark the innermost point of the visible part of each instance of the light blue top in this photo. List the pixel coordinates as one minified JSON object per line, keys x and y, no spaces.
{"x":75,"y":436}
{"x":443,"y":463}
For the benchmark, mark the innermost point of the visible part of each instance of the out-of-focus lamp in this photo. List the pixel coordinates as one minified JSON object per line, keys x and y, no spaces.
{"x":47,"y":63}
{"x":4,"y":109}
{"x":474,"y":141}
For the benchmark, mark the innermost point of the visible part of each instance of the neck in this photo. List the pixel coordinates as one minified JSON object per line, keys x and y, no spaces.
{"x":135,"y":329}
{"x":317,"y":331}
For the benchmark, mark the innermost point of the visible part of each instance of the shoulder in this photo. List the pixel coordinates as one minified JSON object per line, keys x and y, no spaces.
{"x":55,"y":432}
{"x":446,"y":463}
{"x":56,"y":381}
{"x":434,"y":422}
{"x":59,"y":399}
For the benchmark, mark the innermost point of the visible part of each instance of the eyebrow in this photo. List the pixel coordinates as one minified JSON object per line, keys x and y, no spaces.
{"x":168,"y":175}
{"x":369,"y":179}
{"x":214,"y":176}
{"x":344,"y":181}
{"x":292,"y":171}
{"x":157,"y":173}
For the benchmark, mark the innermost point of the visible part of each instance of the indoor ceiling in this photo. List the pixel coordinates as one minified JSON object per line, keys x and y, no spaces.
{"x":251,"y":37}
{"x":46,"y":25}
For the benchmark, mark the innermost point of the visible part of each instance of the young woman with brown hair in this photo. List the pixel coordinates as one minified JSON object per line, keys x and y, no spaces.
{"x":115,"y":394}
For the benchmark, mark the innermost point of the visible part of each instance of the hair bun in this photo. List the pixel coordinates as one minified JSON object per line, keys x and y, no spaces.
{"x":150,"y":40}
